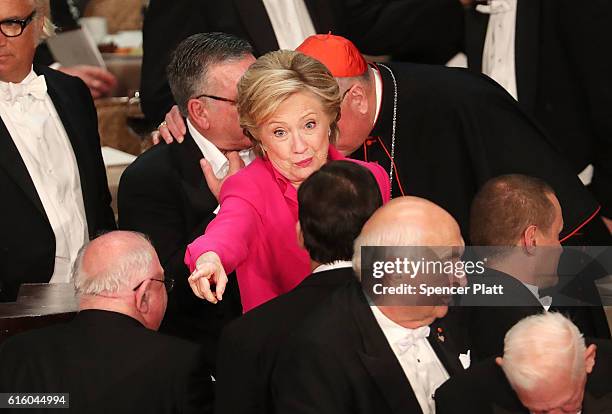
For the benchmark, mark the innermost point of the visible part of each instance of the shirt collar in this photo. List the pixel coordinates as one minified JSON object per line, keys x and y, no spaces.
{"x":212,"y":154}
{"x":378,"y":85}
{"x":393,"y":332}
{"x":338,"y":264}
{"x":533,"y":289}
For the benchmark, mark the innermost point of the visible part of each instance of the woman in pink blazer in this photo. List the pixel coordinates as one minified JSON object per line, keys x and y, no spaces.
{"x":289,"y":105}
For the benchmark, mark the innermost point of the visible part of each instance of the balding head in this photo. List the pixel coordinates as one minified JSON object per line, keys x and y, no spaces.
{"x":109,"y":268}
{"x":413,"y":221}
{"x":410,"y":221}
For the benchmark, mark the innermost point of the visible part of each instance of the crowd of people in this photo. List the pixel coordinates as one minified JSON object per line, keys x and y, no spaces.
{"x":238,"y":280}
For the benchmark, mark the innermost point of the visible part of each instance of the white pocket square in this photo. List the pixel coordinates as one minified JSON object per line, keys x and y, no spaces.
{"x":465,"y":359}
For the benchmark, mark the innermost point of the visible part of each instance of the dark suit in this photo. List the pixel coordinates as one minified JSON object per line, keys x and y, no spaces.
{"x":340,"y":361}
{"x":488,"y":318}
{"x":27,"y":242}
{"x":377,"y":27}
{"x":484,"y":389}
{"x":249,"y":346}
{"x":108,"y":362}
{"x":563,"y":78}
{"x":454,"y":131}
{"x":164,"y":195}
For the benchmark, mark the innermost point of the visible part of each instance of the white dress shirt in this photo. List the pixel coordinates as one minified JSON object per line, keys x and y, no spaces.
{"x":212,"y":154}
{"x":291,"y":22}
{"x":44,"y":146}
{"x":498,"y":55}
{"x":420,"y":363}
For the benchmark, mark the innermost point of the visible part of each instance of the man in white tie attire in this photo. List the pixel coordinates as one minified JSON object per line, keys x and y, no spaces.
{"x":55,"y":192}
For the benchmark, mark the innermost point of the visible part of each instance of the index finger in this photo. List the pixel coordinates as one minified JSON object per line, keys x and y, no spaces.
{"x":201,"y":287}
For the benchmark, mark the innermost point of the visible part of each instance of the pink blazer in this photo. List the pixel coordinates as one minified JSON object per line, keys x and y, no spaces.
{"x":254,"y":231}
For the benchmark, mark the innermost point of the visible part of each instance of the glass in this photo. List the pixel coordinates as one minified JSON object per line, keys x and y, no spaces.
{"x":15,"y":27}
{"x":216,"y":98}
{"x":168,"y":283}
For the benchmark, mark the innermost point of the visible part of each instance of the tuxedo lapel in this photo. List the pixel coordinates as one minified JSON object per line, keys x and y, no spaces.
{"x":445,"y":347}
{"x":380,"y":361}
{"x":11,"y":161}
{"x":257,"y":23}
{"x":526,"y":51}
{"x":476,"y":24}
{"x":69,"y":115}
{"x":187,"y":161}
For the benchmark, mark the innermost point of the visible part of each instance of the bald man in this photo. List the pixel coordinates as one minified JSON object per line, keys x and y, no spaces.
{"x":109,"y":358}
{"x":354,"y":357}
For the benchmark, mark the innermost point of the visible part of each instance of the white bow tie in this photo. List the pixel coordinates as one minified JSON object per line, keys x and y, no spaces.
{"x":37,"y":88}
{"x":411,"y":338}
{"x":494,"y":7}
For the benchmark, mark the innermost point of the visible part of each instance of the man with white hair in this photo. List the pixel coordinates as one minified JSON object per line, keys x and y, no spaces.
{"x":546,"y":368}
{"x":109,"y":358}
{"x":54,"y":187}
{"x":357,"y":356}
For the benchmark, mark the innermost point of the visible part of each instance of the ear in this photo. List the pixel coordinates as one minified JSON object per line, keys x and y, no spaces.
{"x":358,"y":99}
{"x":142,"y":297}
{"x":529,"y":239}
{"x":499,"y":361}
{"x":589,"y":358}
{"x":300,"y":235}
{"x":198,"y":114}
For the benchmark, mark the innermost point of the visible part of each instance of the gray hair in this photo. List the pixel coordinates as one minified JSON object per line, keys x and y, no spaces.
{"x":120,"y":271}
{"x":346,"y":83}
{"x":540,"y":345}
{"x":192,"y":59}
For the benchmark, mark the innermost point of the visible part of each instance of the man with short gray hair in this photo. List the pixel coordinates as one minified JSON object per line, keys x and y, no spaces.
{"x":546,"y":368}
{"x":109,"y":357}
{"x":164,"y":193}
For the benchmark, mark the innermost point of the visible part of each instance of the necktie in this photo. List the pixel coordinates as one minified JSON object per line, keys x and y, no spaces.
{"x":12,"y":92}
{"x":411,"y":338}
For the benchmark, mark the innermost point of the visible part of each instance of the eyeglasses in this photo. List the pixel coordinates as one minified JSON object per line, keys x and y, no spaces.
{"x":216,"y":98}
{"x":15,"y":27}
{"x":168,"y":283}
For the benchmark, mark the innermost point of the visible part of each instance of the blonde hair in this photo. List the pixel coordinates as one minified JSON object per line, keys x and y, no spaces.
{"x":539,"y":346}
{"x":276,"y":76}
{"x":43,"y":11}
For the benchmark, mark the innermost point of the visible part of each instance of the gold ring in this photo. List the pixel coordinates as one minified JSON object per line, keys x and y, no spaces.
{"x":163,"y":124}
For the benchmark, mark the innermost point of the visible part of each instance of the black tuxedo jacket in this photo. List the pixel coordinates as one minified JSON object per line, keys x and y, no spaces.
{"x":108,"y":362}
{"x":249,"y":346}
{"x":455,"y":130}
{"x":562,"y":78}
{"x":488,"y":318}
{"x":339,"y":361}
{"x":164,"y":195}
{"x":483,"y":389}
{"x":27,"y":242}
{"x":409,"y":27}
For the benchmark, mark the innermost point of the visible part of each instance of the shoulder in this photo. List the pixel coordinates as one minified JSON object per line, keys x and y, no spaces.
{"x":62,"y":81}
{"x":250,"y":182}
{"x":456,"y":86}
{"x":479,"y":384}
{"x":151,"y":168}
{"x":381,"y":176}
